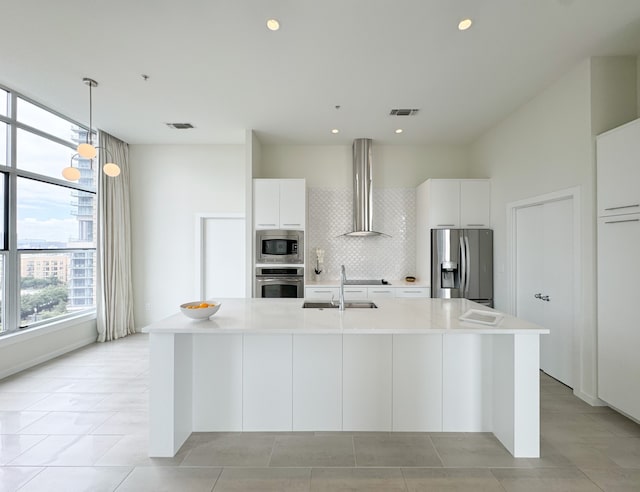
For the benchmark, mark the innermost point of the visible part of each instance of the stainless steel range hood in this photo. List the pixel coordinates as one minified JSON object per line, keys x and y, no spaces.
{"x":362,"y":189}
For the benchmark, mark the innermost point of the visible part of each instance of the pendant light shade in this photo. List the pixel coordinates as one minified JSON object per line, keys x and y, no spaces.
{"x":111,"y":169}
{"x":71,"y":173}
{"x":87,"y":150}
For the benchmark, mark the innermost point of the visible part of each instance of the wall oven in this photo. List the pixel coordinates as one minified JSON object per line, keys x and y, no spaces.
{"x":280,"y":246}
{"x":279,"y":282}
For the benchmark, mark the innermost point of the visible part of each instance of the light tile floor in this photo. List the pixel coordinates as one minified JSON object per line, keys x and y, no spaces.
{"x":80,"y":422}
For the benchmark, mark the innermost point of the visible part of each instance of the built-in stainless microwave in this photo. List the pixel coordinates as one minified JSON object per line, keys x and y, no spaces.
{"x":280,"y":246}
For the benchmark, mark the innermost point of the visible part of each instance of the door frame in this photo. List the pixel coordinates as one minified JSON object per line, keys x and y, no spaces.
{"x":512,"y":221}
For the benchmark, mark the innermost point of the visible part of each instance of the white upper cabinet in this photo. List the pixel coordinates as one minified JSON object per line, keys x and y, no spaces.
{"x":279,"y":203}
{"x":618,"y":164}
{"x":475,"y":196}
{"x":457,"y":203}
{"x":444,"y":207}
{"x":292,"y":203}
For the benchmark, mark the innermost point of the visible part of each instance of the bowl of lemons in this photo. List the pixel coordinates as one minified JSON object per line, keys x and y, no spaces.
{"x":200,"y":309}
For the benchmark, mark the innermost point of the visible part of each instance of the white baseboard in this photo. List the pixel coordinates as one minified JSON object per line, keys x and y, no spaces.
{"x":591,"y":400}
{"x":47,"y":356}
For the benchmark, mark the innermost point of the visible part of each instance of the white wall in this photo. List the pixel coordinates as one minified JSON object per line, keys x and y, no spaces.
{"x":548,"y":145}
{"x":614,"y":92}
{"x":394,"y":166}
{"x":170,"y":184}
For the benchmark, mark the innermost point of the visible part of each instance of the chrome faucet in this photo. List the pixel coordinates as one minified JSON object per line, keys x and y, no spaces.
{"x":343,"y":280}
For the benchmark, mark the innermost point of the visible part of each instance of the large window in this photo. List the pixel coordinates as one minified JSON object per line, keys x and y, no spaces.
{"x":47,"y":224}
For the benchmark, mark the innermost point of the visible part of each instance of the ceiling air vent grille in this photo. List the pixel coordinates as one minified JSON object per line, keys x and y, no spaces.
{"x":403,"y":112}
{"x":180,"y":126}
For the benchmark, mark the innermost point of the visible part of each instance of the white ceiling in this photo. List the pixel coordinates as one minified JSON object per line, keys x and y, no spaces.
{"x":214,"y":64}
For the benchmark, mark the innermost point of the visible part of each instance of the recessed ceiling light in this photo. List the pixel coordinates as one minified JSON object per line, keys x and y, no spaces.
{"x":399,"y":130}
{"x":273,"y":24}
{"x":464,"y":24}
{"x":335,"y":130}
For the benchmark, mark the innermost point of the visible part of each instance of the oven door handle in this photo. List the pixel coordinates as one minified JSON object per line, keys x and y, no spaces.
{"x":281,"y":280}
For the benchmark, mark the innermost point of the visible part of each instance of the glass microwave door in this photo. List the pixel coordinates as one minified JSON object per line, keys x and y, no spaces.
{"x":279,"y":247}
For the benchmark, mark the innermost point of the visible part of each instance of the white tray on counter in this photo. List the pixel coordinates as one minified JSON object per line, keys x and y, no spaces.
{"x":491,"y":318}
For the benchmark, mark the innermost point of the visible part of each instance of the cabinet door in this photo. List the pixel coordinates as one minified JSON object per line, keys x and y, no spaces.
{"x":317,"y":382}
{"x":366,"y":387}
{"x":466,"y":384}
{"x":618,"y":165}
{"x":266,"y":383}
{"x":326,"y":293}
{"x":292,"y":203}
{"x":475,"y":196}
{"x":417,"y":292}
{"x":266,"y":203}
{"x":380,"y":292}
{"x":217,"y":383}
{"x":444,"y":203}
{"x":355,"y":293}
{"x":618,"y":333}
{"x":417,"y":383}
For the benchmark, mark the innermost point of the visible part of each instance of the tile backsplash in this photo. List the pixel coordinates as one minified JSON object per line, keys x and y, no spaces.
{"x":330,"y":216}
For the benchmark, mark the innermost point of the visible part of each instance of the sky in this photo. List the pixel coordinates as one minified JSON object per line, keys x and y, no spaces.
{"x":44,"y":210}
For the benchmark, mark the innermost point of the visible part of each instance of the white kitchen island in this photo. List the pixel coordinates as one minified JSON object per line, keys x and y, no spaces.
{"x":408,"y":366}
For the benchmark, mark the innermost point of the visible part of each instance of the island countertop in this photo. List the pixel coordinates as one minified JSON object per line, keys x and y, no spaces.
{"x":393,"y":316}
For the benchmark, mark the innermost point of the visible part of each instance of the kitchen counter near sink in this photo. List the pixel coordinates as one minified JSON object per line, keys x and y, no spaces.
{"x":410,"y":365}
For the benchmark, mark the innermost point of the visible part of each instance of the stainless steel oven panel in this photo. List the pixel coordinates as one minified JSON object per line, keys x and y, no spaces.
{"x":279,"y":282}
{"x":294,"y":240}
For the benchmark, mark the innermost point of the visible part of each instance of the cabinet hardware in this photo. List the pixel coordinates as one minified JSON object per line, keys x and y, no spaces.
{"x":545,"y":298}
{"x":270,"y":225}
{"x":624,"y":206}
{"x":620,"y":221}
{"x":291,"y":225}
{"x":446,"y":225}
{"x":538,"y":295}
{"x":475,"y":225}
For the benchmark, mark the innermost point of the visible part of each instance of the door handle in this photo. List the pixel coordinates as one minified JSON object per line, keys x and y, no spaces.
{"x":538,"y":295}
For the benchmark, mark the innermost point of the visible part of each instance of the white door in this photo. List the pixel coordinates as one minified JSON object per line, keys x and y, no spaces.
{"x":223,"y":255}
{"x":544,"y":281}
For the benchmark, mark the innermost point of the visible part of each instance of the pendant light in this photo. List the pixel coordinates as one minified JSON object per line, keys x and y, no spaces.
{"x":87,"y":150}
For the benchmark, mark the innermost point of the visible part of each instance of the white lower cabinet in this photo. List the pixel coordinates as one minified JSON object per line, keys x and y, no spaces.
{"x":326,"y":293}
{"x":355,"y":293}
{"x":466,"y":383}
{"x":417,"y":383}
{"x":317,"y":382}
{"x":361,"y":293}
{"x":267,"y":383}
{"x":366,"y":382}
{"x":217,"y":376}
{"x":417,"y":292}
{"x":380,"y":292}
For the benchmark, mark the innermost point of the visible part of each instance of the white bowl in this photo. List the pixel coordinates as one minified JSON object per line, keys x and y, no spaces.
{"x":198,"y":312}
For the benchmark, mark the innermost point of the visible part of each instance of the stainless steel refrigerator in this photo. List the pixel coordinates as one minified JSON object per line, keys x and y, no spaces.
{"x":462,"y":264}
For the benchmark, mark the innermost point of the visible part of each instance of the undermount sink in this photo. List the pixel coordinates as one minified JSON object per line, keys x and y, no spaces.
{"x":335,"y":305}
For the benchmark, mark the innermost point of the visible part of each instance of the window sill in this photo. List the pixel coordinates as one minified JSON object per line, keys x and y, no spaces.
{"x":21,"y":336}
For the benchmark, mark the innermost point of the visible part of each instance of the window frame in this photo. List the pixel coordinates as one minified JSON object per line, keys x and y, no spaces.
{"x":10,"y":290}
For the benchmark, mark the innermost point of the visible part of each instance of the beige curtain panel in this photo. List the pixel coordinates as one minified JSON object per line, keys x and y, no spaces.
{"x":115,"y":292}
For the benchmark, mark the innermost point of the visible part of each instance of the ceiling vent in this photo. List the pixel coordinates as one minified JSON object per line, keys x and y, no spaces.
{"x":403,"y":112}
{"x":180,"y":126}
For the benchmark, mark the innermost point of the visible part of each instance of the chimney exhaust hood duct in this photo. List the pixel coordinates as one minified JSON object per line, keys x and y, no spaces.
{"x":362,"y":189}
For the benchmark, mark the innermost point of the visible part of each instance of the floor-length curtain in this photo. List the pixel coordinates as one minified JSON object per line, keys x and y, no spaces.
{"x":115,"y":289}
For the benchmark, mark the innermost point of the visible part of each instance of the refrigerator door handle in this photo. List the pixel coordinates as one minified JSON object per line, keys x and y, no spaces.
{"x":463,"y":272}
{"x":467,"y":255}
